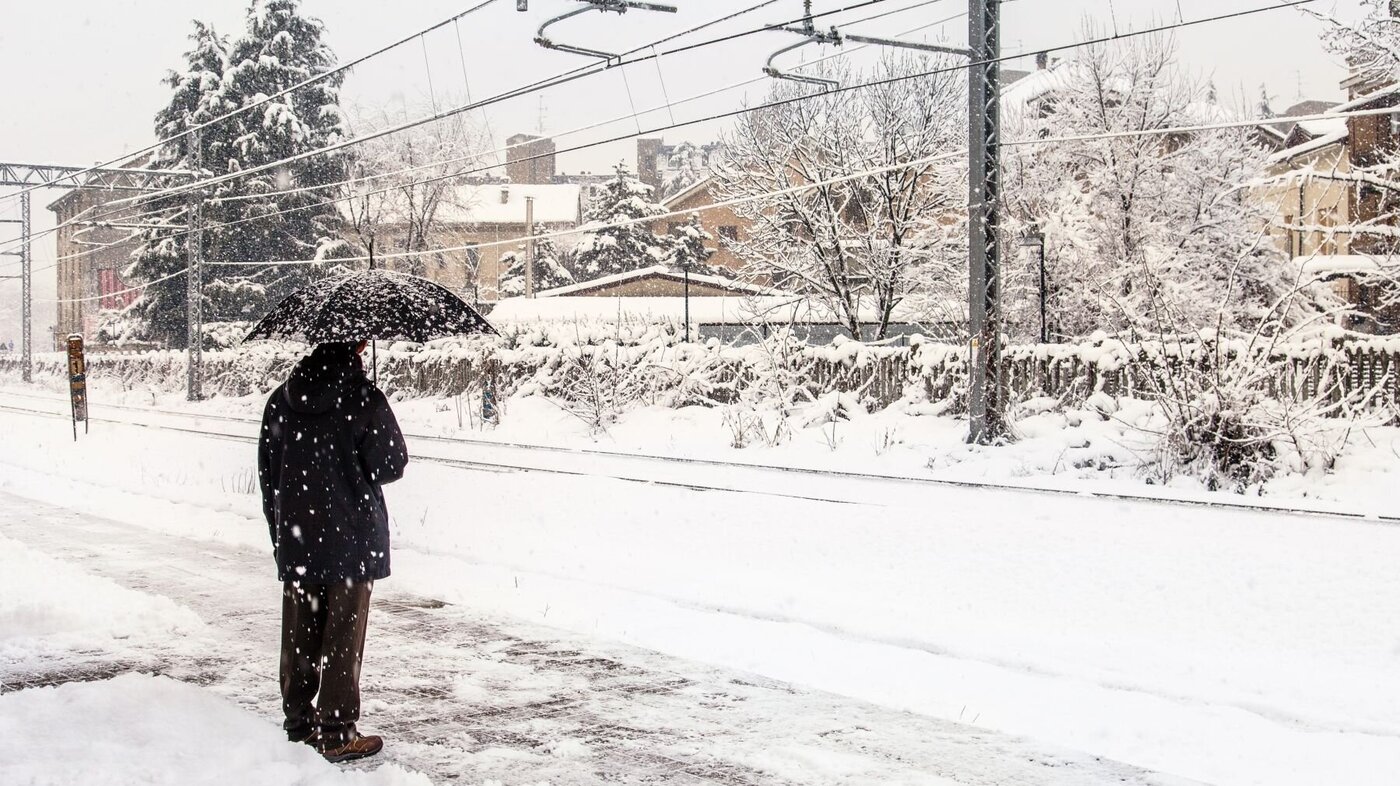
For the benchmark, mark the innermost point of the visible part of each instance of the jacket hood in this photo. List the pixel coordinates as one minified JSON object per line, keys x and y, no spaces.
{"x":322,"y":381}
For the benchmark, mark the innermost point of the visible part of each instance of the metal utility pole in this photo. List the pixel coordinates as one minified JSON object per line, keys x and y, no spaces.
{"x":26,"y":260}
{"x":194,"y":279}
{"x":1035,"y":239}
{"x":31,"y":176}
{"x":985,"y":402}
{"x":529,"y":246}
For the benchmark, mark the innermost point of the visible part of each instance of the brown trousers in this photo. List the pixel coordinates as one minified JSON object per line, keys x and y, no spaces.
{"x":323,"y":642}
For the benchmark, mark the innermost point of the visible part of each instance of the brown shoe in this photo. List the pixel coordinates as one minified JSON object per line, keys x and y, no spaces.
{"x":358,"y":747}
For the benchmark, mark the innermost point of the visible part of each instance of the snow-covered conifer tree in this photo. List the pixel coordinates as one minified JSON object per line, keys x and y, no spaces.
{"x":280,"y":48}
{"x":605,"y":250}
{"x":262,"y":217}
{"x":195,"y":98}
{"x":688,"y":249}
{"x":549,"y":271}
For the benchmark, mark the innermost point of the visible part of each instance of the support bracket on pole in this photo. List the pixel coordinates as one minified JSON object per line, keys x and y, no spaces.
{"x":616,"y":6}
{"x":836,"y":37}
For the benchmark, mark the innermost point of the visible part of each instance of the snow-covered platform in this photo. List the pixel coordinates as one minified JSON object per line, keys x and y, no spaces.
{"x":461,"y":695}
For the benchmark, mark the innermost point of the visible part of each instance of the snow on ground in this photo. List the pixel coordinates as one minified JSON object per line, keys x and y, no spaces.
{"x":50,"y":610}
{"x":139,"y":729}
{"x":464,"y":695}
{"x":58,"y":619}
{"x":1076,"y":449}
{"x":1226,"y":647}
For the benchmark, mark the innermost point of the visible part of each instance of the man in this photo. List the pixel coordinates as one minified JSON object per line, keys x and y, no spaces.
{"x":329,"y":442}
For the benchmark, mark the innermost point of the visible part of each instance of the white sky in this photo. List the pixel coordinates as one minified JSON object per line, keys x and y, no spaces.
{"x":82,"y":77}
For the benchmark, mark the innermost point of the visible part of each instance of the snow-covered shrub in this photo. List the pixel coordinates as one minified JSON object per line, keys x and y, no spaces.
{"x":225,"y":335}
{"x":1233,"y":412}
{"x":116,"y":326}
{"x":597,"y":385}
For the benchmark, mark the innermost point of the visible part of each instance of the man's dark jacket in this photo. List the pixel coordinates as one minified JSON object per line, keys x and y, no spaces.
{"x":329,"y":441}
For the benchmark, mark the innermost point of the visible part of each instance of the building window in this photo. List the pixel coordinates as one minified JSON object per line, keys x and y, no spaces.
{"x":729,"y":233}
{"x":1291,"y":246}
{"x":1328,"y":244}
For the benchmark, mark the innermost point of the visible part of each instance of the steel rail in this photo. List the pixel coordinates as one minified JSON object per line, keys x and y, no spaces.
{"x":905,"y":480}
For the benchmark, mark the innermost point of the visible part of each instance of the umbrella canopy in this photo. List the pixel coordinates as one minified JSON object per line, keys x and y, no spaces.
{"x":370,"y":304}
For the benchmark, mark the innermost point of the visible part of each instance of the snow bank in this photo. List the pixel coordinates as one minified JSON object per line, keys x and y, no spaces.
{"x":138,"y":729}
{"x":49,"y":607}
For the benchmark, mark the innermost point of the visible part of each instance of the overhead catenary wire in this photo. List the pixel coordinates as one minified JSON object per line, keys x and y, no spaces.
{"x":556,"y":80}
{"x":795,"y":99}
{"x":1064,"y":47}
{"x":841,"y":89}
{"x":1034,"y":141}
{"x":86,"y":223}
{"x":669,"y":104}
{"x":524,"y":90}
{"x":311,"y":80}
{"x":1250,"y":123}
{"x":478,"y":156}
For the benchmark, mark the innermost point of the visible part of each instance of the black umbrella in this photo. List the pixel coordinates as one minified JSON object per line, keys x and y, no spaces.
{"x":370,"y":304}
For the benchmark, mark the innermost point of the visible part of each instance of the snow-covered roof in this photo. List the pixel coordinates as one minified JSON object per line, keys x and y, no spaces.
{"x":1349,"y":264}
{"x":1361,"y":101}
{"x":689,"y":190}
{"x":1312,"y":128}
{"x":504,"y":203}
{"x":1037,"y":84}
{"x":1322,"y":142}
{"x":770,"y":309}
{"x":1323,"y":127}
{"x":657,"y":271}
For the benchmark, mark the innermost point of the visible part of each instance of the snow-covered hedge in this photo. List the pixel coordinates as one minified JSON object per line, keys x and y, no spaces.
{"x":649,"y":364}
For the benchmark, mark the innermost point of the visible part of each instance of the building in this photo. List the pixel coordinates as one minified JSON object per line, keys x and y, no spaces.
{"x":530,"y":159}
{"x":734,"y":312}
{"x":672,"y":168}
{"x":1320,"y":193}
{"x":723,"y":224}
{"x":91,"y":259}
{"x":489,"y":214}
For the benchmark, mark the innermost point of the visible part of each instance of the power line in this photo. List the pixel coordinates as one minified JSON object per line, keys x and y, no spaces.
{"x":845,"y":51}
{"x":261,"y":101}
{"x":784,"y":102}
{"x":1060,"y":48}
{"x":565,"y":76}
{"x":1186,"y":129}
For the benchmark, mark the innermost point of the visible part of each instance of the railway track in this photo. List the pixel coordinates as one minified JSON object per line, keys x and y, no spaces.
{"x":659,"y":470}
